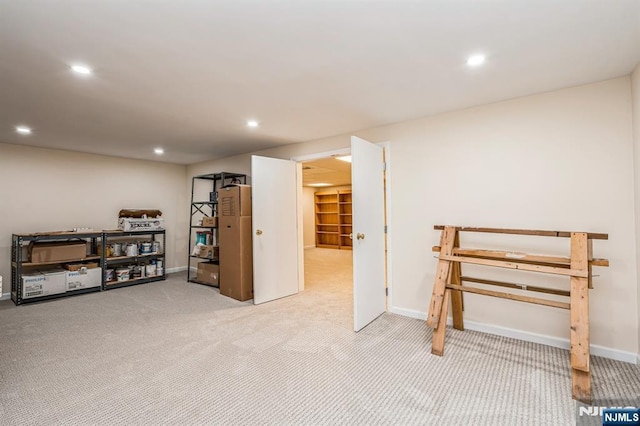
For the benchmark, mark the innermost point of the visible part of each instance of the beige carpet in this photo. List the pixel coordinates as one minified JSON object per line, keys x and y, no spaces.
{"x":178,"y":353}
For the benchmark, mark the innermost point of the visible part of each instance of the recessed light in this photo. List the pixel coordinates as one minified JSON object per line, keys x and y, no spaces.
{"x":476,"y":60}
{"x":81,"y":69}
{"x":252,"y":123}
{"x":319,"y":184}
{"x":23,"y":130}
{"x":158,"y":151}
{"x":346,"y":158}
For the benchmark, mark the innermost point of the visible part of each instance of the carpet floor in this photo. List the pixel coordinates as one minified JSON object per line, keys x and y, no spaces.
{"x":176,"y":353}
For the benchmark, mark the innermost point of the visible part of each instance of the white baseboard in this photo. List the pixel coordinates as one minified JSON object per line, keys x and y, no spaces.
{"x":5,"y":296}
{"x":557,"y":342}
{"x":408,"y":313}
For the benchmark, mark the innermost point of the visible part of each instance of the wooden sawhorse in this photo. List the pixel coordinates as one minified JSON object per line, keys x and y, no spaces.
{"x":449,"y":286}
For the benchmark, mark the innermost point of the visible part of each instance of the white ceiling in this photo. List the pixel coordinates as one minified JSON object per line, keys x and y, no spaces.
{"x":187,"y":74}
{"x":328,"y":171}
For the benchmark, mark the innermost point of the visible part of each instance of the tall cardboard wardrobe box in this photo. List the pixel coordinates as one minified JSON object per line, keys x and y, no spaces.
{"x":236,"y":251}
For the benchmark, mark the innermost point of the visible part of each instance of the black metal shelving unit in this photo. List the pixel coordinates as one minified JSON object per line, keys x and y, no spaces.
{"x":208,"y":208}
{"x":18,"y":264}
{"x":124,"y":260}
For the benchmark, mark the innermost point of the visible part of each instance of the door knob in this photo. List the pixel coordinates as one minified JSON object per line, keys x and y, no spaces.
{"x":259,"y":232}
{"x":360,"y":236}
{"x":351,"y":236}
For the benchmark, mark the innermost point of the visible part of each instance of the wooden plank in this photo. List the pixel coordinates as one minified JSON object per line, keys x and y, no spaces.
{"x":581,"y":385}
{"x":579,"y":334}
{"x":447,"y":239}
{"x":509,"y":296}
{"x":456,"y":295}
{"x":62,"y":234}
{"x":541,"y":233}
{"x":518,"y":286}
{"x":437,"y":341}
{"x":57,"y":262}
{"x":590,"y":261}
{"x":497,"y":254}
{"x":521,"y":257}
{"x":515,"y":265}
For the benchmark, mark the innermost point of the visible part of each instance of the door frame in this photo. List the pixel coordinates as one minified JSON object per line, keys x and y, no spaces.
{"x":387,"y":191}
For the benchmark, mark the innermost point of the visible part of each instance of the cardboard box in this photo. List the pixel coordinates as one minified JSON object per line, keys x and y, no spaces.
{"x":55,"y":281}
{"x":83,"y":278}
{"x":236,"y":257}
{"x":210,"y":221}
{"x":209,"y":252}
{"x":32,"y":285}
{"x":208,"y":273}
{"x":234,"y":200}
{"x":79,"y":266}
{"x":57,"y":251}
{"x":128,"y":224}
{"x":43,"y":283}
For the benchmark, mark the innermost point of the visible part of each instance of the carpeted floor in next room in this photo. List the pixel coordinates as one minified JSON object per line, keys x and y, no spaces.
{"x":178,"y":353}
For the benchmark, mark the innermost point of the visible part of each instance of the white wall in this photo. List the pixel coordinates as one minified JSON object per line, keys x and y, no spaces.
{"x":635,"y":90}
{"x":49,"y":190}
{"x":308,"y":216}
{"x":560,"y":160}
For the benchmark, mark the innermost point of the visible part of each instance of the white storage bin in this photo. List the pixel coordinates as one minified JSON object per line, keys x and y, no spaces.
{"x":83,"y":278}
{"x":32,"y":285}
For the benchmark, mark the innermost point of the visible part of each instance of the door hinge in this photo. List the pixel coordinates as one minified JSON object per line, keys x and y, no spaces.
{"x":384,"y":167}
{"x":386,"y":228}
{"x":386,"y":291}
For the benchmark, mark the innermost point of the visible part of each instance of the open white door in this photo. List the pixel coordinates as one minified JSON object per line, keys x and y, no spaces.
{"x":367,"y":182}
{"x":275,"y":238}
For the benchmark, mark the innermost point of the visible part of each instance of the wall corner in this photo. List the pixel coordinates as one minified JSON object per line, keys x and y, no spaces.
{"x":635,"y":120}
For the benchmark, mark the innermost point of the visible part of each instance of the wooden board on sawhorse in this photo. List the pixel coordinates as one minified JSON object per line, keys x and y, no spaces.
{"x":449,"y":281}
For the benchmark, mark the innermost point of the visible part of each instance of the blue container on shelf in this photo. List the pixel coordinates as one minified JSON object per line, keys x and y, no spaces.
{"x":201,"y":238}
